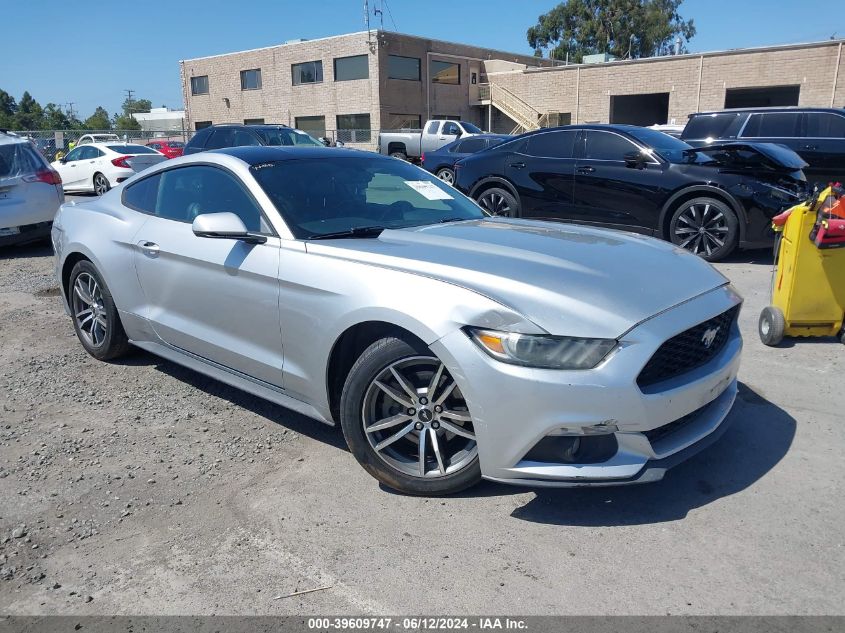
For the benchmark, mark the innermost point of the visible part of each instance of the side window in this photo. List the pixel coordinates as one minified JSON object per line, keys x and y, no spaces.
{"x":825,"y":125}
{"x":187,"y":192}
{"x":87,"y":153}
{"x":773,"y":125}
{"x":472,"y":145}
{"x":242,"y":137}
{"x":221,"y":137}
{"x":155,"y":146}
{"x":450,"y":129}
{"x":74,"y":154}
{"x":141,"y":195}
{"x":552,"y":144}
{"x":607,"y":146}
{"x":432,"y":127}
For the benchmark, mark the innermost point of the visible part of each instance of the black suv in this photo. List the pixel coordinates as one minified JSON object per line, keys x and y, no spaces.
{"x":708,"y":200}
{"x":237,"y":135}
{"x":815,"y":134}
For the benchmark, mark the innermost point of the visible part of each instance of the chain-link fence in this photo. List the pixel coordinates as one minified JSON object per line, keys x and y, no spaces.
{"x":52,"y":142}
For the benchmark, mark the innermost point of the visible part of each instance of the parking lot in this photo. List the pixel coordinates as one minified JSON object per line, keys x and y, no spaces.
{"x":141,"y":487}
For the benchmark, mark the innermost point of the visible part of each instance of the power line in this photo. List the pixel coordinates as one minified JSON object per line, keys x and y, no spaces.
{"x":390,"y":13}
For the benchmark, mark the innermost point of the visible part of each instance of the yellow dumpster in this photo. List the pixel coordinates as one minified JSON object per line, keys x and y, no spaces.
{"x":808,"y":294}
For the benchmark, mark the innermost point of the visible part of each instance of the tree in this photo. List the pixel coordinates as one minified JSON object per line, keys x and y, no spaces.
{"x":623,"y":28}
{"x":8,"y":107}
{"x":29,"y":113}
{"x":55,"y":118}
{"x":125,"y":120}
{"x":100,"y":120}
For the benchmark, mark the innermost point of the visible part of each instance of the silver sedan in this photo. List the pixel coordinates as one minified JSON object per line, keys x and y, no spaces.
{"x":360,"y":290}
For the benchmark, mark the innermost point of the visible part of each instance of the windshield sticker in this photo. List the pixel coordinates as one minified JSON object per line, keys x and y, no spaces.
{"x":429,"y":190}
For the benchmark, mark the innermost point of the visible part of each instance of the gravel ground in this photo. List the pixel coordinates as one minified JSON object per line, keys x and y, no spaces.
{"x":139,"y":487}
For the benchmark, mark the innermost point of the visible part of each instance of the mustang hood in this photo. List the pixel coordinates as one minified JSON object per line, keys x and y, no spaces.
{"x":567,"y":279}
{"x":754,"y":155}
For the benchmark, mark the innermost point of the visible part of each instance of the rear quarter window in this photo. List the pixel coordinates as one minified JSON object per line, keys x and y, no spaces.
{"x":714,"y":126}
{"x":141,"y":195}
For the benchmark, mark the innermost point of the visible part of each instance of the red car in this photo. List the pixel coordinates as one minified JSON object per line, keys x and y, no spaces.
{"x":171,"y":149}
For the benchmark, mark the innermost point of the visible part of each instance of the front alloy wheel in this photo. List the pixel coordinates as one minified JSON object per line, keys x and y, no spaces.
{"x":406,"y":421}
{"x":706,"y":227}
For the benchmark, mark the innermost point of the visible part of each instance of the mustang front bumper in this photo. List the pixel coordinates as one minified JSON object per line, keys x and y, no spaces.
{"x":515,"y":408}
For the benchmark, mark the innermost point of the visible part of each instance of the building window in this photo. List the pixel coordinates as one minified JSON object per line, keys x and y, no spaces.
{"x":253,"y":121}
{"x":307,"y":73}
{"x":353,"y":128}
{"x":349,"y":68}
{"x":445,"y":73}
{"x":404,"y":122}
{"x":407,"y":68}
{"x":199,"y":85}
{"x":473,"y":78}
{"x":251,"y":79}
{"x":201,"y":124}
{"x":313,"y":125}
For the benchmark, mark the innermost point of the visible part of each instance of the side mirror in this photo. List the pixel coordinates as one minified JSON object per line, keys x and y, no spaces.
{"x":224,"y":226}
{"x":339,"y":144}
{"x":634,"y":159}
{"x":458,"y":133}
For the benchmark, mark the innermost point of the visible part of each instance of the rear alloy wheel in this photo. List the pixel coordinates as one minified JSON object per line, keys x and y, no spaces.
{"x":406,"y":421}
{"x":446,"y":175}
{"x":499,"y":202}
{"x":706,"y":227}
{"x":101,"y":184}
{"x":771,"y":326}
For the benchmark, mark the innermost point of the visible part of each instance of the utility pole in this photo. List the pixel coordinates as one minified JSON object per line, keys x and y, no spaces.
{"x":69,"y":109}
{"x":129,"y":100}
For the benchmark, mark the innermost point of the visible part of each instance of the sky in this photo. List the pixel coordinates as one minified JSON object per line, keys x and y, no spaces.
{"x":90,"y":52}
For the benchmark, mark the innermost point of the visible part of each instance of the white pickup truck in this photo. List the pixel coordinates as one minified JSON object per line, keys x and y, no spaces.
{"x":435,"y":134}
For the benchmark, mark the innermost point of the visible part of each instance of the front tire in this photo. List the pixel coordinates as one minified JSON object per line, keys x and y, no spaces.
{"x":771,"y":326}
{"x":94,"y":314}
{"x":706,"y":227}
{"x":406,"y":422}
{"x":101,"y":184}
{"x":501,"y":202}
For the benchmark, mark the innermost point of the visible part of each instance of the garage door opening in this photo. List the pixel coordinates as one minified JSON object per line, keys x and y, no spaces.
{"x":647,"y":109}
{"x":762,"y":97}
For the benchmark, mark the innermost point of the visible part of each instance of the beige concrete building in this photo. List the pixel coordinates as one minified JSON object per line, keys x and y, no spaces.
{"x":347,"y":85}
{"x":350,"y":86}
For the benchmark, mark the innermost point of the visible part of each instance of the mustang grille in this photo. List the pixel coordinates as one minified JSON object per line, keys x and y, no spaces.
{"x":688,"y":350}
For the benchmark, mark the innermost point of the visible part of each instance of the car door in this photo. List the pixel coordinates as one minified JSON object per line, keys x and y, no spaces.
{"x":215,"y":298}
{"x":823,"y":146}
{"x":69,"y":168}
{"x":543,"y":173}
{"x":612,"y":192}
{"x":88,"y":164}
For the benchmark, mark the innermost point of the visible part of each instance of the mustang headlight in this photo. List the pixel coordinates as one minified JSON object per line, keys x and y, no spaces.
{"x":542,"y":351}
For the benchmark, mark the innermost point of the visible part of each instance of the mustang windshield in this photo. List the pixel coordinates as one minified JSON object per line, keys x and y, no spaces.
{"x":319,"y":196}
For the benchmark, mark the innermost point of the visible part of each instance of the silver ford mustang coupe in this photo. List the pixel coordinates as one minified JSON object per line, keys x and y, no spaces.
{"x":449,"y":346}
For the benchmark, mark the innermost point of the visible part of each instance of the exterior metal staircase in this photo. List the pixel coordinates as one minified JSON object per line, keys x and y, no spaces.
{"x":525,"y":116}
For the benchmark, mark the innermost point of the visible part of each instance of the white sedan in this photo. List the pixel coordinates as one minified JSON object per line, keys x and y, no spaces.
{"x":97,"y":167}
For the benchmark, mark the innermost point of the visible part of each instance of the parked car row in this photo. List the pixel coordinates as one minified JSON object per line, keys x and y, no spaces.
{"x":709,"y":200}
{"x":96,"y":167}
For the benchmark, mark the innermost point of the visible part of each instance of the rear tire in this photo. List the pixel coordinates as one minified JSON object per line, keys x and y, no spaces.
{"x":399,"y":155}
{"x":706,"y":227}
{"x":500,"y":202}
{"x":416,"y":450}
{"x":446,"y":175}
{"x":771,"y":326}
{"x":94,"y":314}
{"x":101,"y":184}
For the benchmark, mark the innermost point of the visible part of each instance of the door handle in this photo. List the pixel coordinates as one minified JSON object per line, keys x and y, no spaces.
{"x":810,"y":147}
{"x":586,"y":170}
{"x":517,"y":165}
{"x":150,"y":249}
